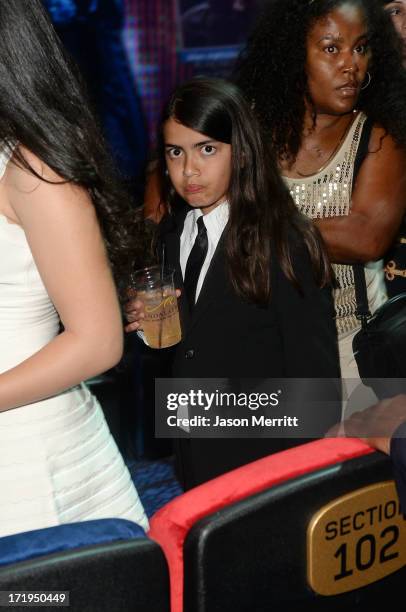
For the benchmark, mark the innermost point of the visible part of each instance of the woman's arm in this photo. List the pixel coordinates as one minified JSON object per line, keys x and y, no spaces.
{"x":154,"y":207}
{"x":63,"y":234}
{"x":377,"y":208}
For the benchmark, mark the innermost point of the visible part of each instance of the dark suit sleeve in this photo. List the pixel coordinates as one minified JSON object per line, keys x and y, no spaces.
{"x":398,"y":456}
{"x":306,"y":320}
{"x":310,"y":347}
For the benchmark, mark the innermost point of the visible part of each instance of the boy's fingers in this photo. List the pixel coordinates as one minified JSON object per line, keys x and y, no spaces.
{"x":134,"y":315}
{"x":132,"y":327}
{"x":133,"y":305}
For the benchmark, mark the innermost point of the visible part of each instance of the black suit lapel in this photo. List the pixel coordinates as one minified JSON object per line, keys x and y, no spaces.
{"x":171,"y":232}
{"x":170,"y":254}
{"x":213,"y":285}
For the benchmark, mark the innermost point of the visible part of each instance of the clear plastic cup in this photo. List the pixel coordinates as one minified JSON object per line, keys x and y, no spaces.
{"x":155,"y":287}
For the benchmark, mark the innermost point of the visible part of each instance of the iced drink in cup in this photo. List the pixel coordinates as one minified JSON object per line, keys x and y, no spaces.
{"x":154,"y":286}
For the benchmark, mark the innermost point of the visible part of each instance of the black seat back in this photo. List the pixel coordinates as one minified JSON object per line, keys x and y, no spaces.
{"x":262,"y":553}
{"x":124,"y":576}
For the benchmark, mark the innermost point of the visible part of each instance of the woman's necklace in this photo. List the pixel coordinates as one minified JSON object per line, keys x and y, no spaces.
{"x":334,"y":152}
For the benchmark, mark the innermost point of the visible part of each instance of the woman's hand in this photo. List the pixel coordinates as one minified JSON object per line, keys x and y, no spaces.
{"x":375,"y":425}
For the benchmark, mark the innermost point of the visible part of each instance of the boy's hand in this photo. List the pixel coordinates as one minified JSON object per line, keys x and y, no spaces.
{"x":135,"y":313}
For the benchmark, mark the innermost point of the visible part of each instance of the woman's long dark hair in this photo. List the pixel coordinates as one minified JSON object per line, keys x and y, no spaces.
{"x":43,"y":107}
{"x":262,"y":212}
{"x":271,"y":70}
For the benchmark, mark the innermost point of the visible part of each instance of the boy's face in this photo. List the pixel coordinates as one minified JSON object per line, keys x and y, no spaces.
{"x":199,"y":167}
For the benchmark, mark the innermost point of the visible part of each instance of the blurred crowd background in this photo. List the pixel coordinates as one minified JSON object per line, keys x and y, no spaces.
{"x":133,"y":52}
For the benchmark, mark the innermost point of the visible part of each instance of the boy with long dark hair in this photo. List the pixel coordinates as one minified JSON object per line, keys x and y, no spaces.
{"x":259,"y":304}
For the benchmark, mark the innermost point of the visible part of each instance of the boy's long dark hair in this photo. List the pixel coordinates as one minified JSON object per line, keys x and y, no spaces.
{"x":44,"y":108}
{"x":271,"y":70}
{"x":262,"y":212}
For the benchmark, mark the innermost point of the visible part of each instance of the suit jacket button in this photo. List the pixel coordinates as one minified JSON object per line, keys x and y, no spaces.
{"x":190,"y":354}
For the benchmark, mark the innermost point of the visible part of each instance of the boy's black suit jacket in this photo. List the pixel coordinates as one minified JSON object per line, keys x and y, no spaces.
{"x":228,"y":337}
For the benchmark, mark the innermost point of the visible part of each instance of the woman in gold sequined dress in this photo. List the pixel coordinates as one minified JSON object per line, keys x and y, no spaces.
{"x":316,"y":71}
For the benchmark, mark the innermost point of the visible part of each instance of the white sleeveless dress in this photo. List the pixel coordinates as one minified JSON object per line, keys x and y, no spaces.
{"x":58,"y":460}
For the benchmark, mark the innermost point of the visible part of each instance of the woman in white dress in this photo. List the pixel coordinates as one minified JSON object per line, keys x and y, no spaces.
{"x":58,"y":461}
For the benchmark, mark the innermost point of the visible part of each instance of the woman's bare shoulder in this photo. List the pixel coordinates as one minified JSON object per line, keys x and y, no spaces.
{"x":29,"y":180}
{"x":26,"y":172}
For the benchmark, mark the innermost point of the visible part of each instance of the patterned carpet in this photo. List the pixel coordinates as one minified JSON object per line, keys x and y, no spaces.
{"x":156,"y":483}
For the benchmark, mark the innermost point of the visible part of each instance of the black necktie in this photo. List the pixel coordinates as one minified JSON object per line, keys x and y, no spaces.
{"x":195,"y":262}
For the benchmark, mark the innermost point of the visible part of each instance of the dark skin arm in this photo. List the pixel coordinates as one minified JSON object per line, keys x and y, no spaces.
{"x":154,"y":206}
{"x":376,"y":425}
{"x":377,"y":209}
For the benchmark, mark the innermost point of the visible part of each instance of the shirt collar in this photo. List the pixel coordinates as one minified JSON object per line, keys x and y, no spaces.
{"x":216,"y":220}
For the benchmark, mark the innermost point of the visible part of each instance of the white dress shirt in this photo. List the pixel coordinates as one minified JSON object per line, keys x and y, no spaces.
{"x":215,"y":222}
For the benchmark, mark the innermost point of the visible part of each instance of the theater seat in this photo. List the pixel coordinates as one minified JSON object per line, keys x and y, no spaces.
{"x":106,"y":565}
{"x":272,"y":535}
